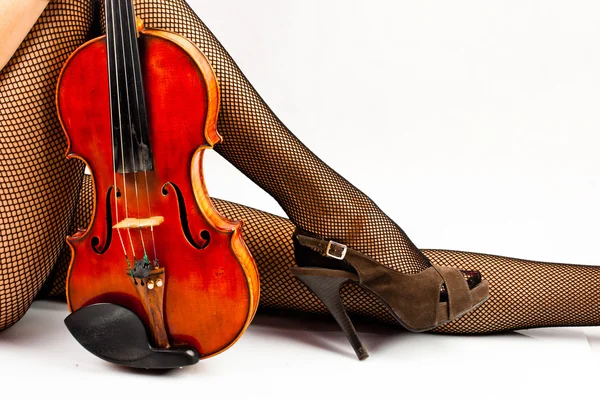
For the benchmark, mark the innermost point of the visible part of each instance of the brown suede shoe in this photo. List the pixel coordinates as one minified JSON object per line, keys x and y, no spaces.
{"x":419,"y":302}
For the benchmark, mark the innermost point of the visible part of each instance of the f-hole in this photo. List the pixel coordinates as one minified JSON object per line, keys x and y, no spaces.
{"x":96,"y":240}
{"x":204,"y":234}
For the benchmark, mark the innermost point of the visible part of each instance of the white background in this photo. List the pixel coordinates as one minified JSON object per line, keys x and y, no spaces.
{"x":473,"y":124}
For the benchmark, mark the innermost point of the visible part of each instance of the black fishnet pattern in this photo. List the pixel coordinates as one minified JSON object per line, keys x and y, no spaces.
{"x":38,"y":186}
{"x":279,"y":288}
{"x":313,"y":195}
{"x":523,"y":294}
{"x":526,"y":294}
{"x":81,"y":219}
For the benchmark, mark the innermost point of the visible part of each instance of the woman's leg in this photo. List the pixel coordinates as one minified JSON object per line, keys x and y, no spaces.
{"x":523,"y":294}
{"x":38,"y":185}
{"x":526,"y":294}
{"x":313,"y":196}
{"x":56,"y":283}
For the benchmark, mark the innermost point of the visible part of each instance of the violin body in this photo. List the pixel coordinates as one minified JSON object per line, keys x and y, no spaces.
{"x":202,"y":290}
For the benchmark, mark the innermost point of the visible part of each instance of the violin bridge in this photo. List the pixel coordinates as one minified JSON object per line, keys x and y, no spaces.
{"x":132,"y":223}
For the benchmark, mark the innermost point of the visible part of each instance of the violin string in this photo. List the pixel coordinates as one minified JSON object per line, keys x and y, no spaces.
{"x":121,"y":135}
{"x":126,"y":31}
{"x":130,"y":18}
{"x":109,"y":10}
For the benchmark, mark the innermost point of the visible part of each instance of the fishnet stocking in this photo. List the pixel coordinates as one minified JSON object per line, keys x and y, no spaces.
{"x":55,"y":286}
{"x":526,"y":294}
{"x":38,"y":186}
{"x":523,"y":293}
{"x":313,"y":196}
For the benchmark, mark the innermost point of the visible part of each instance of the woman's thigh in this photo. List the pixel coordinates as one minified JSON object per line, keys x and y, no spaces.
{"x":38,"y":186}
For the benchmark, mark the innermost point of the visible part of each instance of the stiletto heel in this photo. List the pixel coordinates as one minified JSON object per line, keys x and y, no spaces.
{"x":327,"y":289}
{"x":419,"y":302}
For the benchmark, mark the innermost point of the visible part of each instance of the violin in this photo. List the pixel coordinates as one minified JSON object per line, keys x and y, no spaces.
{"x":139,"y":106}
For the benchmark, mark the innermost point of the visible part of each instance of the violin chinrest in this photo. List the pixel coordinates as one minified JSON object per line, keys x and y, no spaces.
{"x":116,"y":334}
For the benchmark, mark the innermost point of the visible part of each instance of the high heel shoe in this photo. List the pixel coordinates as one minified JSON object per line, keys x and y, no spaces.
{"x":419,"y":302}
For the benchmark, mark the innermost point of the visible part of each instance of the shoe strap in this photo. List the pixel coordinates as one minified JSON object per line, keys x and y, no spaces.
{"x":459,"y":293}
{"x":373,"y":274}
{"x":326,"y":248}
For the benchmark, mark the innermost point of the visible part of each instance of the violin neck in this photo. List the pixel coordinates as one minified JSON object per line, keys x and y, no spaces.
{"x":131,"y":147}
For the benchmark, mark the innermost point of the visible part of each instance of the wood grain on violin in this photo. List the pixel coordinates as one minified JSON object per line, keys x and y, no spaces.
{"x":155,"y":244}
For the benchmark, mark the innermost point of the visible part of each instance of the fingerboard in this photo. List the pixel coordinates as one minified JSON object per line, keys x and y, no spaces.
{"x":131,"y":146}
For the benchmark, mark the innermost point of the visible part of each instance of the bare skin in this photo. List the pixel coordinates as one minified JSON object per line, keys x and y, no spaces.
{"x":17,"y":17}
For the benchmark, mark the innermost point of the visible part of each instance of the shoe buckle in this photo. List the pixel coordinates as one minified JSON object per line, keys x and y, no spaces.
{"x":336,"y":250}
